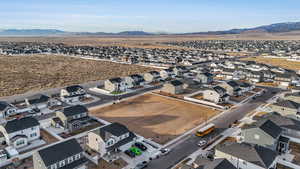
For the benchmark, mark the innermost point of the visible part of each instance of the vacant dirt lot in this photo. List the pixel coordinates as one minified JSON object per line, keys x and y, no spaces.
{"x":276,"y":62}
{"x":20,"y":74}
{"x":156,"y":117}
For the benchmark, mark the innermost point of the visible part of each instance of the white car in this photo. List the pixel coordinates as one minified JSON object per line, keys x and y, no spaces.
{"x":202,"y":143}
{"x":164,"y":151}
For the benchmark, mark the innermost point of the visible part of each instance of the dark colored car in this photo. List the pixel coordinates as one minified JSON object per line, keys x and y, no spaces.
{"x":140,"y":146}
{"x":130,"y":153}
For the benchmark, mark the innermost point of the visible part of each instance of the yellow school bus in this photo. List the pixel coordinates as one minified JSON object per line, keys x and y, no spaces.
{"x":205,"y":130}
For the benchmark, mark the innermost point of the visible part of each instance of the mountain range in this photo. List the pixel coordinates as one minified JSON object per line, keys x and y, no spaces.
{"x":273,"y":28}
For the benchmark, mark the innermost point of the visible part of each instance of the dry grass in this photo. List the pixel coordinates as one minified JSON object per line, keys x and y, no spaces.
{"x":284,"y":63}
{"x":20,"y":74}
{"x":156,"y":117}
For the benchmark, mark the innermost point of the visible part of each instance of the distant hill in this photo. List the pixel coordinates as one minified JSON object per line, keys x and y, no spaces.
{"x":27,"y":32}
{"x":273,"y":28}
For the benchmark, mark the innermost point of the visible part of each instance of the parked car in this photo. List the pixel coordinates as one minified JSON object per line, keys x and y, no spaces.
{"x":141,"y":165}
{"x":130,"y":153}
{"x":140,"y":146}
{"x":202,"y":143}
{"x":136,"y":151}
{"x":164,"y":151}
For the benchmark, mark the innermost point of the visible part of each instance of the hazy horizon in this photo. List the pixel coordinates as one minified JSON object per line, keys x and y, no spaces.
{"x":155,"y":16}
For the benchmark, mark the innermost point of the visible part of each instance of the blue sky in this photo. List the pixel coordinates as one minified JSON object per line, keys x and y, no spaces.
{"x":151,"y":16}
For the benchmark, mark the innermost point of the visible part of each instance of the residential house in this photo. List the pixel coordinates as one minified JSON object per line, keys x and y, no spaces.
{"x":63,"y":155}
{"x":111,"y":138}
{"x":255,"y":76}
{"x":72,"y":94}
{"x":180,"y":70}
{"x":266,"y":133}
{"x":295,"y":97}
{"x":289,"y":126}
{"x":152,"y":76}
{"x":286,"y":108}
{"x":247,"y":156}
{"x":227,"y":73}
{"x":39,"y":101}
{"x":219,"y":163}
{"x":232,"y":88}
{"x":115,"y":85}
{"x":283,"y":79}
{"x":134,"y":80}
{"x":216,"y":94}
{"x":20,"y":132}
{"x":167,"y":73}
{"x":173,"y":87}
{"x":204,"y":78}
{"x":72,"y":118}
{"x":7,"y":109}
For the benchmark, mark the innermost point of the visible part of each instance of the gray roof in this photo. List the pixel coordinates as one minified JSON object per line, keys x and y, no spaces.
{"x":255,"y":154}
{"x":220,"y":163}
{"x":38,"y":98}
{"x":288,"y":104}
{"x":176,"y":83}
{"x":219,"y":89}
{"x":271,"y":128}
{"x":60,"y":151}
{"x":282,"y":121}
{"x":3,"y":105}
{"x":73,"y":110}
{"x":115,"y":129}
{"x":115,"y":80}
{"x":20,"y":124}
{"x":74,"y":88}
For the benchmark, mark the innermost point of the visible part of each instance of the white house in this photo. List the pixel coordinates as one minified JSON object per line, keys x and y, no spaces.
{"x":72,"y":94}
{"x":19,"y":132}
{"x":110,"y":138}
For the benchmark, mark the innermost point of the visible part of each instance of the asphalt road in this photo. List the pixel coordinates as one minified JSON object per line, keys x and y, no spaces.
{"x":189,"y":145}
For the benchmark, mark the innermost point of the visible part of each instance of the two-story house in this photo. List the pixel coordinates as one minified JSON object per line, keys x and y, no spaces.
{"x":73,"y":117}
{"x":134,"y":80}
{"x":216,"y":94}
{"x":167,"y":73}
{"x":152,"y":76}
{"x":247,"y":156}
{"x":232,"y":88}
{"x":39,"y":101}
{"x":287,"y":108}
{"x":63,"y":155}
{"x":110,"y":138}
{"x":204,"y":78}
{"x":7,"y":109}
{"x":266,"y":133}
{"x":72,"y":94}
{"x":115,"y":85}
{"x":173,"y":87}
{"x":20,"y":132}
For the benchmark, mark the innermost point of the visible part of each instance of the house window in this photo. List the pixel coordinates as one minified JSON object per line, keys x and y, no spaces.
{"x":70,"y":159}
{"x":53,"y":166}
{"x":33,"y":134}
{"x":32,"y":128}
{"x":77,"y":156}
{"x":20,"y":142}
{"x":62,"y":163}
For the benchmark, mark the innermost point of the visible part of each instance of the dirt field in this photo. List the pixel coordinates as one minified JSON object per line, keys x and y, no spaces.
{"x":276,"y":62}
{"x":156,"y":117}
{"x":20,"y":74}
